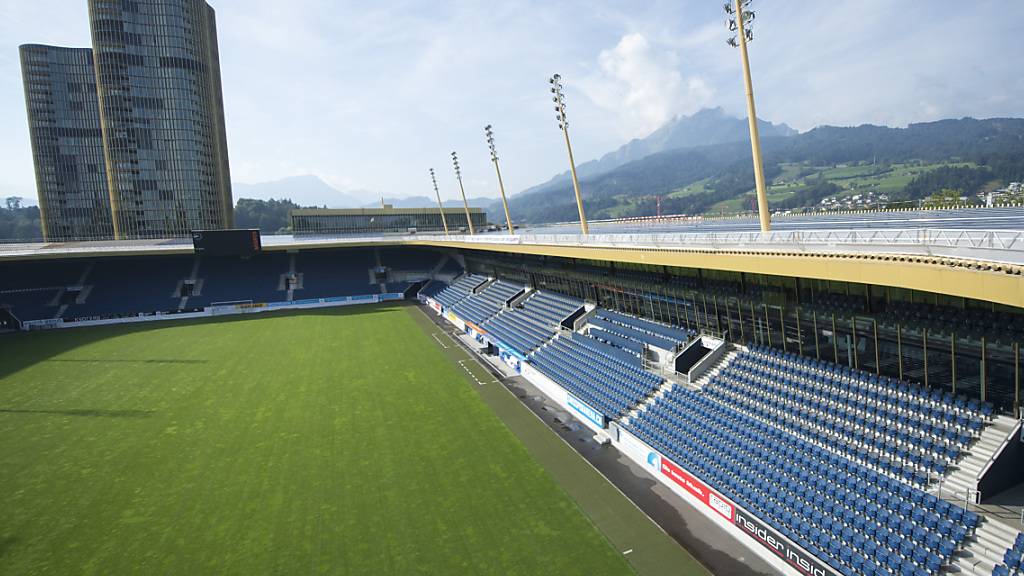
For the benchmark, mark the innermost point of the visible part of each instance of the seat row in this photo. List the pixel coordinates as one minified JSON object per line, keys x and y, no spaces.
{"x":479,"y":307}
{"x":673,"y":333}
{"x":845,"y":513}
{"x":883,"y":397}
{"x":527,"y":326}
{"x":636,"y":349}
{"x":891,"y":387}
{"x":460,"y":289}
{"x":873,"y":452}
{"x":605,"y":383}
{"x":630,"y":333}
{"x":875,"y":427}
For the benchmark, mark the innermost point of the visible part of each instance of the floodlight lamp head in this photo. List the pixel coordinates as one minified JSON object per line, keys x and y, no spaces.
{"x":732,"y":42}
{"x":729,"y":8}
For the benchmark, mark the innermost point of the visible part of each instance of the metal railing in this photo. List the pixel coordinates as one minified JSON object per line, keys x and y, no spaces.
{"x":989,"y":245}
{"x":997,"y":246}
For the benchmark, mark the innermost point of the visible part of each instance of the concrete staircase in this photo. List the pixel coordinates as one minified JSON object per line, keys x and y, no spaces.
{"x":665,"y":388}
{"x":964,"y":479}
{"x":717,"y":367}
{"x":984,"y":549}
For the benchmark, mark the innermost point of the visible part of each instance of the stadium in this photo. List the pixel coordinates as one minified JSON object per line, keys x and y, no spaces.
{"x":805,"y":361}
{"x":846,"y":403}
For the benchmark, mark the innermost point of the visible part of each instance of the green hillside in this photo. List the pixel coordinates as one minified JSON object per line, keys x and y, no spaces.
{"x":902,"y":164}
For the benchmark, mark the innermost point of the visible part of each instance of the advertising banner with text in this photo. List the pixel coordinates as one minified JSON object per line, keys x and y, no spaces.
{"x":770,"y":539}
{"x":697,"y":488}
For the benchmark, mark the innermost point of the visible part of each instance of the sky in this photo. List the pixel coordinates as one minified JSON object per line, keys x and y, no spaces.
{"x":369,"y":95}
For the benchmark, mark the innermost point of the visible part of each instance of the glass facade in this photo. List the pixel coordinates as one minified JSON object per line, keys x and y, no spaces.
{"x":67,"y":144}
{"x":967,"y":347}
{"x":383,"y":220}
{"x":161,"y":111}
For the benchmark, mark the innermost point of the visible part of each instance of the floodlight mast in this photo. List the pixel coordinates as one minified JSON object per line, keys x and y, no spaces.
{"x":465,"y":203}
{"x":563,"y":124}
{"x":440,"y":207}
{"x":501,"y":185}
{"x":738,"y":22}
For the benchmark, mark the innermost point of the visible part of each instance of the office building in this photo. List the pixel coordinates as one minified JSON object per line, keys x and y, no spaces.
{"x":67,"y":144}
{"x":384,"y":220}
{"x":156,"y":101}
{"x":158,"y":73}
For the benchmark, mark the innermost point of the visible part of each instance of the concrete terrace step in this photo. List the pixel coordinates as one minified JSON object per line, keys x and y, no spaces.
{"x":985,"y":548}
{"x":967,"y":471}
{"x":717,"y":367}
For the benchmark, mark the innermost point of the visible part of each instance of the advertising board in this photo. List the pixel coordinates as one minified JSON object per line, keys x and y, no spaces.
{"x":584,"y":410}
{"x":770,"y":539}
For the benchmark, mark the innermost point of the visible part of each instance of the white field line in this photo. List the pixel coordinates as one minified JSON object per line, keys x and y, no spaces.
{"x":443,"y":345}
{"x":471,"y":375}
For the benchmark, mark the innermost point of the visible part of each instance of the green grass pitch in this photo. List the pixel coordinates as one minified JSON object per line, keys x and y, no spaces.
{"x":331,"y":442}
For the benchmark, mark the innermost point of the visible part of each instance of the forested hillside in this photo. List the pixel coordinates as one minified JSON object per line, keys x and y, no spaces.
{"x":902,"y":163}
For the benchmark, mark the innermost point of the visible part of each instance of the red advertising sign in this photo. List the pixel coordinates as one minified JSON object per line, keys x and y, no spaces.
{"x":697,"y":488}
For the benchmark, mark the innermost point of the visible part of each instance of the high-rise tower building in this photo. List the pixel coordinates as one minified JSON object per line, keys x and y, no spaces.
{"x":154,"y":104}
{"x":161,"y":109}
{"x":67,"y":144}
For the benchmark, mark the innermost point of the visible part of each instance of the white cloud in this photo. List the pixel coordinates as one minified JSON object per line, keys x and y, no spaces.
{"x":369,"y":95}
{"x":641,"y":85}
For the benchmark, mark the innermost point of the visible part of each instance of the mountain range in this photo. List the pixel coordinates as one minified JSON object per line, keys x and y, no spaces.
{"x":707,"y":127}
{"x":304,"y":190}
{"x":966,"y":155}
{"x":701,"y":163}
{"x":309,"y":190}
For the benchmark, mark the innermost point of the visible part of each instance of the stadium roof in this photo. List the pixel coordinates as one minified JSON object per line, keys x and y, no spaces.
{"x":983,"y":265}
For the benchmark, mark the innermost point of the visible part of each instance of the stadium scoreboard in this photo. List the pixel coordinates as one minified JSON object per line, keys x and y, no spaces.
{"x":227,"y":242}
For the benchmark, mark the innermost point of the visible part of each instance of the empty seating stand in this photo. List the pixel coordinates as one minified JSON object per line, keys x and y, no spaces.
{"x":479,"y":307}
{"x":901,"y":430}
{"x":234,"y":279}
{"x":115,"y":290}
{"x":431,"y":290}
{"x":534,"y":322}
{"x":596,"y":373}
{"x":327,"y":273}
{"x":633,"y":334}
{"x":28,"y":288}
{"x":848,"y":514}
{"x":460,"y":289}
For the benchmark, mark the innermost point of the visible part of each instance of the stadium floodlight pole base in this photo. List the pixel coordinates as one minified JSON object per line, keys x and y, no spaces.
{"x":755,"y":139}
